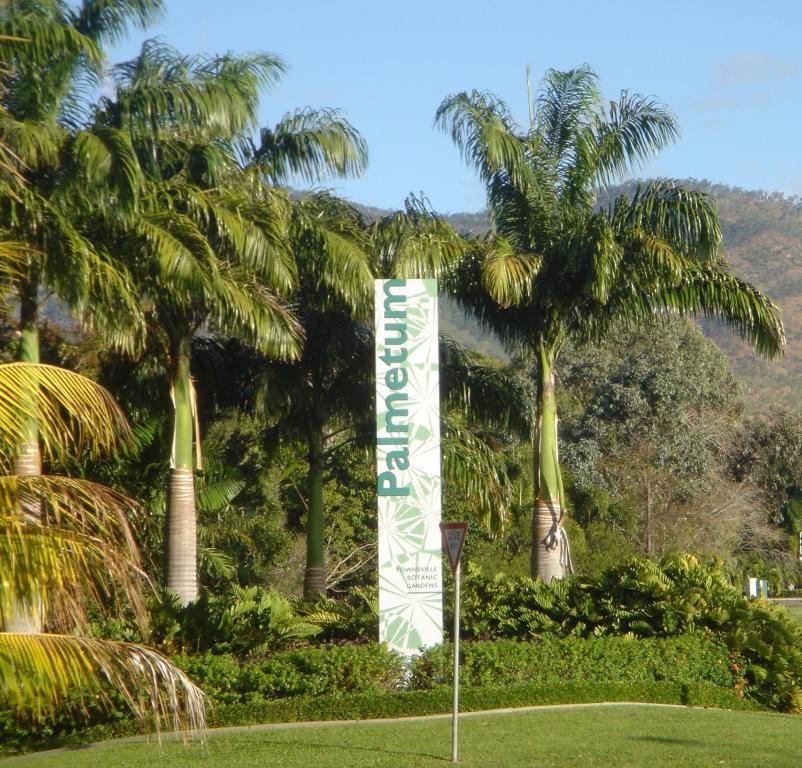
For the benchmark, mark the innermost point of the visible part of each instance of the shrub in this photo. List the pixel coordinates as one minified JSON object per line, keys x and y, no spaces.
{"x":645,"y":599}
{"x":305,"y":671}
{"x":241,"y":620}
{"x":691,"y":658}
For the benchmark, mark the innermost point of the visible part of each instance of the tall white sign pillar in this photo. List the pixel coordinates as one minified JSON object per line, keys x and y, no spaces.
{"x":408,"y":465}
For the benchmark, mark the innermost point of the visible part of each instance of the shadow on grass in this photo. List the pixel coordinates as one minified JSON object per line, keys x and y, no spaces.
{"x":354,"y":747}
{"x":671,"y":740}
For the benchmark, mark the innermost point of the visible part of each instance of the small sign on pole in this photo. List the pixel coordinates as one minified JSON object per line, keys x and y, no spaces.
{"x":453,"y":542}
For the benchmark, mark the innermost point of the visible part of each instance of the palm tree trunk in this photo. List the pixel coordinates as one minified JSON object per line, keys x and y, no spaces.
{"x":28,"y":463}
{"x":548,"y":561}
{"x":315,"y":575}
{"x":181,"y":551}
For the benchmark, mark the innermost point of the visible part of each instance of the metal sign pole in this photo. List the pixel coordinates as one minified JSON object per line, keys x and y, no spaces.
{"x":455,"y":715}
{"x":453,"y":540}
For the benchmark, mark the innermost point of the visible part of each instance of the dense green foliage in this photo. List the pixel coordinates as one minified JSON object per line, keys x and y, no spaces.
{"x":552,"y":660}
{"x":640,"y":598}
{"x":649,"y":425}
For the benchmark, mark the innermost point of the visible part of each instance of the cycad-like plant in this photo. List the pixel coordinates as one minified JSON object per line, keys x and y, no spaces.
{"x":559,"y":265}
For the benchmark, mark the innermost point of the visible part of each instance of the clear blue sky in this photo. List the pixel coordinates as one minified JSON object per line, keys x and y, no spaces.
{"x":730,"y":70}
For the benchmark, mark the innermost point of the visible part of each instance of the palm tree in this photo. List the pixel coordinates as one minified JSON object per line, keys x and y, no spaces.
{"x":322,"y":397}
{"x":75,"y":551}
{"x":560,"y":265}
{"x":206,"y":245}
{"x":211,"y":235}
{"x":53,"y":56}
{"x":50,"y":53}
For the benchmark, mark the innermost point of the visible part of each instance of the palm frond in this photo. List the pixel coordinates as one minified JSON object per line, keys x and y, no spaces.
{"x":113,"y":306}
{"x":634,"y":129}
{"x":685,"y":218}
{"x":66,"y":543}
{"x":109,"y":20}
{"x":310,"y":144}
{"x":242,"y":230}
{"x":490,"y":397}
{"x":564,"y":107}
{"x":40,"y":673}
{"x":184,"y":256}
{"x":70,"y":409}
{"x":33,"y":144}
{"x":162,"y":92}
{"x":333,"y":251}
{"x":481,"y":126}
{"x":416,"y":242}
{"x":109,"y":159}
{"x":55,"y":57}
{"x":217,"y":492}
{"x":475,"y":474}
{"x":14,"y":257}
{"x":241,"y":307}
{"x":508,"y":273}
{"x":710,"y":290}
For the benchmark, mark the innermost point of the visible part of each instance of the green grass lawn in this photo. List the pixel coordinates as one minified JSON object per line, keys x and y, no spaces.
{"x":602,"y":737}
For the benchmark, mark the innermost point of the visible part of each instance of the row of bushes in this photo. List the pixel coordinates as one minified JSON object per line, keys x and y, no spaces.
{"x":692,"y":627}
{"x":384,"y":704}
{"x":370,"y":681}
{"x":637,"y":598}
{"x":350,"y":669}
{"x":640,"y":598}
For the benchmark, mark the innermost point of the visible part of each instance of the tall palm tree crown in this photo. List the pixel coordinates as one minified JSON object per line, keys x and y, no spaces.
{"x":557,"y":264}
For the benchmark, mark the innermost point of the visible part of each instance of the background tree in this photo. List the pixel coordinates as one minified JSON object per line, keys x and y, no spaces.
{"x":648,"y":425}
{"x":768,"y":452}
{"x":556,"y":266}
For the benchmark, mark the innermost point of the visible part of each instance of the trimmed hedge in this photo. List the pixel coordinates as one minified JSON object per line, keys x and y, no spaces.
{"x":371,"y":681}
{"x":473,"y":699}
{"x":372,"y":668}
{"x":688,"y":658}
{"x":365,"y":705}
{"x":303,"y":672}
